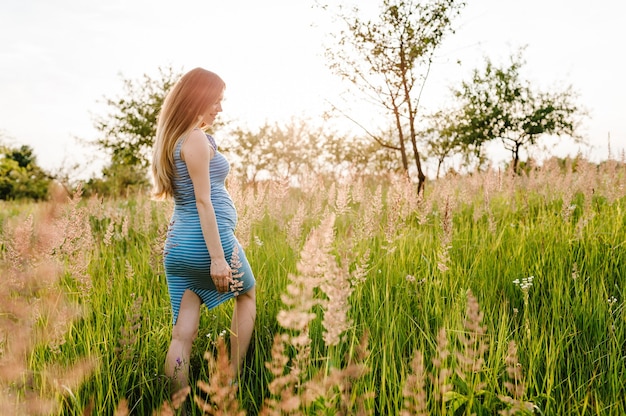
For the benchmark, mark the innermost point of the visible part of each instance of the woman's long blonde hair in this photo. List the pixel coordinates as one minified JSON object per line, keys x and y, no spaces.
{"x":181,"y":113}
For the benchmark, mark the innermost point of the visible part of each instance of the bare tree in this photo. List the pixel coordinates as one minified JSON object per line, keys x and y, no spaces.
{"x":388,"y":59}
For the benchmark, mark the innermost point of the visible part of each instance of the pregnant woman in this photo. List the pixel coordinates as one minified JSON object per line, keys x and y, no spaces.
{"x":201,"y":243}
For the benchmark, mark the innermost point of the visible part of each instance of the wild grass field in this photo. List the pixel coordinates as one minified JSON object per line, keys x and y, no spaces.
{"x":493,"y":293}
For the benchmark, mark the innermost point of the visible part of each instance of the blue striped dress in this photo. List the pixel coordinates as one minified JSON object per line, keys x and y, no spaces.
{"x":186,"y":258}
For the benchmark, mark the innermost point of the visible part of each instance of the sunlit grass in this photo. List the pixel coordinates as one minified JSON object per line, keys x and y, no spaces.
{"x":431,"y":277}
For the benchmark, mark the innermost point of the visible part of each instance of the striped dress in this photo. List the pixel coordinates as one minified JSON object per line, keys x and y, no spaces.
{"x":186,"y":258}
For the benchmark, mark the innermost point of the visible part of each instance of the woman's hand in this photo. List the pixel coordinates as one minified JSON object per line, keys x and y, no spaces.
{"x":221,"y":274}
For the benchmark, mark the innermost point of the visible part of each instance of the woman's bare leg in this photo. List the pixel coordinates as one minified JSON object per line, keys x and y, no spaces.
{"x":244,"y":315}
{"x":183,"y":334}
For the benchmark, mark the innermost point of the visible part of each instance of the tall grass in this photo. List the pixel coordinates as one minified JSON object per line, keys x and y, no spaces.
{"x":493,"y":293}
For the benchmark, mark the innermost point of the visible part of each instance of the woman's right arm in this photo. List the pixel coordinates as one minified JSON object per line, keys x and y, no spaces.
{"x":197,"y":154}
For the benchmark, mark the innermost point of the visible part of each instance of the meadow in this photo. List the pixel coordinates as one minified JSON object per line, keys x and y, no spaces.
{"x":492,"y":293}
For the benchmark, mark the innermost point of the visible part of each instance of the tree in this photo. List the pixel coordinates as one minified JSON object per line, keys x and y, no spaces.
{"x":357,"y":154}
{"x":498,"y":104}
{"x":129,"y":129}
{"x":441,"y":137}
{"x":388,"y":60}
{"x":298,"y":148}
{"x":20,"y":176}
{"x":277,"y":151}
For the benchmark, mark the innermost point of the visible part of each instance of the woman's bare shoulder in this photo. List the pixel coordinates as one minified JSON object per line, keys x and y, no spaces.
{"x":196,"y":144}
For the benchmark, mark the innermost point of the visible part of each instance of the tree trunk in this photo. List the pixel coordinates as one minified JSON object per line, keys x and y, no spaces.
{"x":516,"y":156}
{"x":421,"y":178}
{"x":405,"y":160}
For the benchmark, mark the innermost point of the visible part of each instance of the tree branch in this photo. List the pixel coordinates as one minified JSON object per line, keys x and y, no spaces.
{"x":361,"y":126}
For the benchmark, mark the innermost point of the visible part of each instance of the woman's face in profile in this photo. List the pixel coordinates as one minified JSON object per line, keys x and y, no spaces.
{"x":209,"y":116}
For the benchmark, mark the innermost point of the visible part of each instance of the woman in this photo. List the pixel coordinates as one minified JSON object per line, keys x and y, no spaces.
{"x":201,"y":246}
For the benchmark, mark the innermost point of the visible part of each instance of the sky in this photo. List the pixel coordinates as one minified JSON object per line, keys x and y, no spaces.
{"x":59,"y":60}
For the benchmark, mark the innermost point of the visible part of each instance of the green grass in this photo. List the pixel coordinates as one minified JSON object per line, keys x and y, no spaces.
{"x":570,"y":337}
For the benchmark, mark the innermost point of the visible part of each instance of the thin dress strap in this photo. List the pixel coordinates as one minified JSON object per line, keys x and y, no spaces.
{"x":212,"y":141}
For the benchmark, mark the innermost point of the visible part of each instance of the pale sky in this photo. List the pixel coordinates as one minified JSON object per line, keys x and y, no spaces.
{"x":60,"y":58}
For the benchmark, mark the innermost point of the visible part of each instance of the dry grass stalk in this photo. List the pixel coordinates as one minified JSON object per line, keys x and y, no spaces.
{"x":34,"y":309}
{"x":446,"y":237}
{"x":343,"y":199}
{"x":335,"y":386}
{"x":318,"y":268}
{"x":277,"y":195}
{"x":58,"y":378}
{"x":359,"y":275}
{"x":471,"y":358}
{"x":122,"y":408}
{"x":130,"y":329}
{"x":337,"y":288}
{"x":164,"y":410}
{"x":331,"y":195}
{"x":300,"y":297}
{"x":515,"y":385}
{"x":88,"y":410}
{"x":410,"y":198}
{"x":372,"y":209}
{"x":414,"y":392}
{"x":167,"y":408}
{"x":468,"y":364}
{"x":179,"y":397}
{"x":358,"y":189}
{"x":30,"y":404}
{"x":156,"y":248}
{"x":489,"y":187}
{"x":290,"y":391}
{"x":236,"y":285}
{"x":221,"y":390}
{"x":294,"y":226}
{"x":284,"y":399}
{"x":74,"y":242}
{"x":19,"y":248}
{"x":250,"y":201}
{"x":424,"y":207}
{"x":440,"y":378}
{"x":394,"y":218}
{"x":336,"y":308}
{"x":109,"y":233}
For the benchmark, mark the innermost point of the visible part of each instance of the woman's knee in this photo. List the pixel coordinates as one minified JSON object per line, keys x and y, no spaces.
{"x":184,"y":331}
{"x":186,"y":327}
{"x":248,"y":296}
